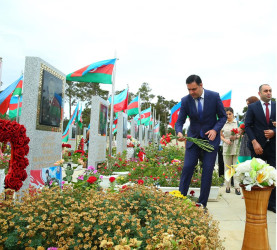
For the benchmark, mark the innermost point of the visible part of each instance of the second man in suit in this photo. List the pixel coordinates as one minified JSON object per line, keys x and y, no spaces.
{"x":207,"y":117}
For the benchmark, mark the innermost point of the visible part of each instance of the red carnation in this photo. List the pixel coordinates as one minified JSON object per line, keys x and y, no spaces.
{"x":92,"y":179}
{"x":112,"y":179}
{"x":140,"y":182}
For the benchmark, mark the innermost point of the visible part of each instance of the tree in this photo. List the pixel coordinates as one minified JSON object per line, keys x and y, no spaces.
{"x":145,"y":95}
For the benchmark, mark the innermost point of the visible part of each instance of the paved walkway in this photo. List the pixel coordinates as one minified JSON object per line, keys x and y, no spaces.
{"x":229,"y":210}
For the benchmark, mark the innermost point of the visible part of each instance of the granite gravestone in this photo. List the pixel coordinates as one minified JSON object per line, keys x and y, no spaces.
{"x":72,"y":136}
{"x":98,"y":131}
{"x":134,"y":129}
{"x":42,"y":113}
{"x":146,"y":136}
{"x":141,"y":135}
{"x":85,"y":130}
{"x":121,"y":137}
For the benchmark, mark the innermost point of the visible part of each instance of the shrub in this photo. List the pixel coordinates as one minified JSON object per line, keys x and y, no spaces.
{"x":138,"y":217}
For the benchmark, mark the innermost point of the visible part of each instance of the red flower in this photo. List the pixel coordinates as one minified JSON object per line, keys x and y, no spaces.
{"x":92,"y":179}
{"x":140,"y":182}
{"x":13,"y":182}
{"x":112,"y":179}
{"x":242,"y":126}
{"x":192,"y":193}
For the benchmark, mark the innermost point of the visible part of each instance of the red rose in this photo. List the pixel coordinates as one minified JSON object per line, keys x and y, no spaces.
{"x":26,"y":161}
{"x":18,"y":165}
{"x":92,"y":179}
{"x":21,"y":175}
{"x":15,"y":126}
{"x":140,"y":182}
{"x":19,"y":142}
{"x":19,"y":153}
{"x":112,"y":179}
{"x":22,"y":130}
{"x":13,"y":183}
{"x":26,"y":148}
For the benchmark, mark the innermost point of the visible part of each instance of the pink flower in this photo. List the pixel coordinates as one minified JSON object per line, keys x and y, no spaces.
{"x":81,"y":177}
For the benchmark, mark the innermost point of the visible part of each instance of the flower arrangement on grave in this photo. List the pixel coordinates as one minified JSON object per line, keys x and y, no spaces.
{"x":204,"y":144}
{"x":81,"y":144}
{"x":64,"y":145}
{"x":132,"y":142}
{"x":254,"y":172}
{"x":13,"y":132}
{"x":90,"y":179}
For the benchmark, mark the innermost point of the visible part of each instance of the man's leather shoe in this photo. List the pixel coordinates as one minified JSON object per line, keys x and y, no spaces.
{"x":272,"y":209}
{"x":228,"y":190}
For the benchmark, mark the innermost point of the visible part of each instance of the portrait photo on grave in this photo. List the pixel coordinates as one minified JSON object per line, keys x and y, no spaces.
{"x":50,"y":101}
{"x":125,"y":130}
{"x":103,"y":114}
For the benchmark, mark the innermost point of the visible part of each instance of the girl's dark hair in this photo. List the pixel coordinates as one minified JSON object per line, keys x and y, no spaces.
{"x":229,"y":109}
{"x":252,"y":99}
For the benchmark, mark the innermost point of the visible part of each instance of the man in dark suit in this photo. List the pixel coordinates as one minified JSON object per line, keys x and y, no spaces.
{"x":207,"y":117}
{"x":262,"y":133}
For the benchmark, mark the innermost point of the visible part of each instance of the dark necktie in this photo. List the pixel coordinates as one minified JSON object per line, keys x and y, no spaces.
{"x":266,"y":112}
{"x":200,"y":110}
{"x":200,"y":113}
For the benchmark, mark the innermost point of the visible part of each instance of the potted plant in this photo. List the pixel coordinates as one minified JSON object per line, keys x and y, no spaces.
{"x":257,"y":179}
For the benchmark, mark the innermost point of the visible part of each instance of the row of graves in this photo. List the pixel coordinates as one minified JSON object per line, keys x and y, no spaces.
{"x":42,"y":116}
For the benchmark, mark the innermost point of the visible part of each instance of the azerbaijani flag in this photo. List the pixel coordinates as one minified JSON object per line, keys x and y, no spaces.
{"x":157,"y":128}
{"x":226,"y":99}
{"x":149,"y":122}
{"x":114,"y":128}
{"x":99,"y":72}
{"x":174,"y":113}
{"x":71,"y":121}
{"x":133,"y":107}
{"x":13,"y":106}
{"x":5,"y":96}
{"x":79,"y":118}
{"x":120,"y":101}
{"x":144,"y":116}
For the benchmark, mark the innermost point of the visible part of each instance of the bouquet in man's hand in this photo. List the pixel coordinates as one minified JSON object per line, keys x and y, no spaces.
{"x":204,"y":144}
{"x":234,"y":131}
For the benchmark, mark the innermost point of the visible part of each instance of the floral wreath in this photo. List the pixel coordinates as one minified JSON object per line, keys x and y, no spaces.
{"x":13,"y":132}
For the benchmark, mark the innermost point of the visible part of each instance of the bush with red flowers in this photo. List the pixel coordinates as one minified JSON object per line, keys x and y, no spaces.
{"x":64,"y":145}
{"x":16,"y":134}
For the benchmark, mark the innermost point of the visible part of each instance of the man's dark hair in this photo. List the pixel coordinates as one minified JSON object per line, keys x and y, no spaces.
{"x":194,"y":78}
{"x":260,"y":88}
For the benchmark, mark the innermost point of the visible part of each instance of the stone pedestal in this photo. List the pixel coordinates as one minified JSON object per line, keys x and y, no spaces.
{"x":141,"y":135}
{"x":42,"y":113}
{"x":98,"y":131}
{"x":121,"y":137}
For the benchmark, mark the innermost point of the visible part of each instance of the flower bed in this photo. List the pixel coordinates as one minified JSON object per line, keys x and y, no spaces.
{"x":138,"y":217}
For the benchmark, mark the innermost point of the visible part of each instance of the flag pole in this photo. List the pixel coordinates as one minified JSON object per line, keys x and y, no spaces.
{"x":111,"y":114}
{"x":18,"y":104}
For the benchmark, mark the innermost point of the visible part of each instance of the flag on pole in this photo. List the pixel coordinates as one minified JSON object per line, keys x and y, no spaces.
{"x":149,"y":122}
{"x":157,"y":128}
{"x":99,"y":72}
{"x":226,"y":99}
{"x":133,"y":107}
{"x":174,"y":114}
{"x":79,"y":120}
{"x":71,"y":121}
{"x":120,"y":101}
{"x":145,"y":116}
{"x":14,"y":105}
{"x":7,"y":93}
{"x":114,"y":128}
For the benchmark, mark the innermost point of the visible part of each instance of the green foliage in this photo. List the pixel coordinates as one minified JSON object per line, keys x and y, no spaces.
{"x":139,"y":217}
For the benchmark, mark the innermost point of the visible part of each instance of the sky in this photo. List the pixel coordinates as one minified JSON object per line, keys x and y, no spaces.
{"x":231,"y":45}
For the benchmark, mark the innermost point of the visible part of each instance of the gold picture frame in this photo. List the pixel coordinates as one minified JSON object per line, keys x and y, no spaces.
{"x":40,"y":121}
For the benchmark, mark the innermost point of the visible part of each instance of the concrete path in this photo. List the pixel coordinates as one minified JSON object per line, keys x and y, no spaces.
{"x":229,"y":210}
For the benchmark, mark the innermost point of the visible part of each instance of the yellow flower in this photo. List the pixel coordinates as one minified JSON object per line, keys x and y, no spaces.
{"x":229,"y":173}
